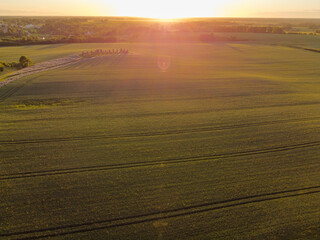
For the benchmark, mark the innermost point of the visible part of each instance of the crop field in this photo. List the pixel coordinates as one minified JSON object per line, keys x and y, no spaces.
{"x":41,"y":53}
{"x":173,"y":141}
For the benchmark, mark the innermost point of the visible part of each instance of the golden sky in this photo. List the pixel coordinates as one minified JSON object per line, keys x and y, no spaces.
{"x":164,"y":8}
{"x":169,"y":8}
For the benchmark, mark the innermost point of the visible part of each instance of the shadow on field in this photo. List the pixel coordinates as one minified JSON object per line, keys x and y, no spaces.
{"x":234,"y":48}
{"x":98,"y":61}
{"x":51,"y":46}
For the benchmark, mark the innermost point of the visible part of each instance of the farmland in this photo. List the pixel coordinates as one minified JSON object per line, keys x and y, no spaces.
{"x":222,"y":144}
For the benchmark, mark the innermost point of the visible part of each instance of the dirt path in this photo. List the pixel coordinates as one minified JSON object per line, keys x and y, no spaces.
{"x":48,"y":65}
{"x":41,"y":67}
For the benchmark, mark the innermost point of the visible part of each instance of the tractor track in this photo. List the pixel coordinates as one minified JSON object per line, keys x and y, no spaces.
{"x":109,"y":60}
{"x":160,"y":215}
{"x":159,"y":114}
{"x":11,"y":91}
{"x":206,"y":128}
{"x":39,"y":68}
{"x":207,"y":157}
{"x":65,"y":65}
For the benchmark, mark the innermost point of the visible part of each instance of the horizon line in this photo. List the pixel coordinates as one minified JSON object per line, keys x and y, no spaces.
{"x":317,"y":18}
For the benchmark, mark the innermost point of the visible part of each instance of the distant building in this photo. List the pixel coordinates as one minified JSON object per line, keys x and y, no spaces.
{"x":30,"y":26}
{"x":5,"y":29}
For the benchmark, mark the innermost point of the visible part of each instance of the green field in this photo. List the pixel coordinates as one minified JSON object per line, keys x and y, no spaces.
{"x":41,"y":53}
{"x":225,"y":144}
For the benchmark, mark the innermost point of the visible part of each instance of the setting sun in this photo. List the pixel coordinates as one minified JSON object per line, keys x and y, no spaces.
{"x":167,"y":9}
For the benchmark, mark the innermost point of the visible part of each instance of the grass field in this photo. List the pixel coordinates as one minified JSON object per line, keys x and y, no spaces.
{"x":223,"y":145}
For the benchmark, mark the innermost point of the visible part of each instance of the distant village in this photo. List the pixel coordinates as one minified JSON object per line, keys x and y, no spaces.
{"x":20,"y":30}
{"x":47,"y":30}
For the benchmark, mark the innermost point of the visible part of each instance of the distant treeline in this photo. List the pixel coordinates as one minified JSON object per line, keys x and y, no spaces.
{"x":54,"y":40}
{"x":25,"y":31}
{"x":145,"y":35}
{"x":251,"y":29}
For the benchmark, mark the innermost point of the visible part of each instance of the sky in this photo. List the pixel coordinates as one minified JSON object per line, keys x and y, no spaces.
{"x":163,"y":8}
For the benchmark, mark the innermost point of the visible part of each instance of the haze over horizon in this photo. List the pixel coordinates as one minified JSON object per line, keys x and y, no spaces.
{"x":164,"y":8}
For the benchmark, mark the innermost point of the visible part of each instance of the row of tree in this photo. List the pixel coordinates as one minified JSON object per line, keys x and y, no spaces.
{"x":101,"y":52}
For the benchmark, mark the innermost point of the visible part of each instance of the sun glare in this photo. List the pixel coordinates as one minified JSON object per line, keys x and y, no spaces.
{"x":168,"y":9}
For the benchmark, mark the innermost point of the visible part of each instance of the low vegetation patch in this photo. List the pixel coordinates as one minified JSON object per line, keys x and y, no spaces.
{"x":23,"y":63}
{"x":45,"y":103}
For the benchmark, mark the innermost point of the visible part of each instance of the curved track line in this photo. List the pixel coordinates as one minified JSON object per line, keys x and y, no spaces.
{"x":11,"y":91}
{"x":160,"y":215}
{"x":41,"y":67}
{"x":156,"y":114}
{"x":209,"y":157}
{"x":199,"y":129}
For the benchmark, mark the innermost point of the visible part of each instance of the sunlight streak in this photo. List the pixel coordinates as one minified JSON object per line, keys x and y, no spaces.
{"x":169,"y":9}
